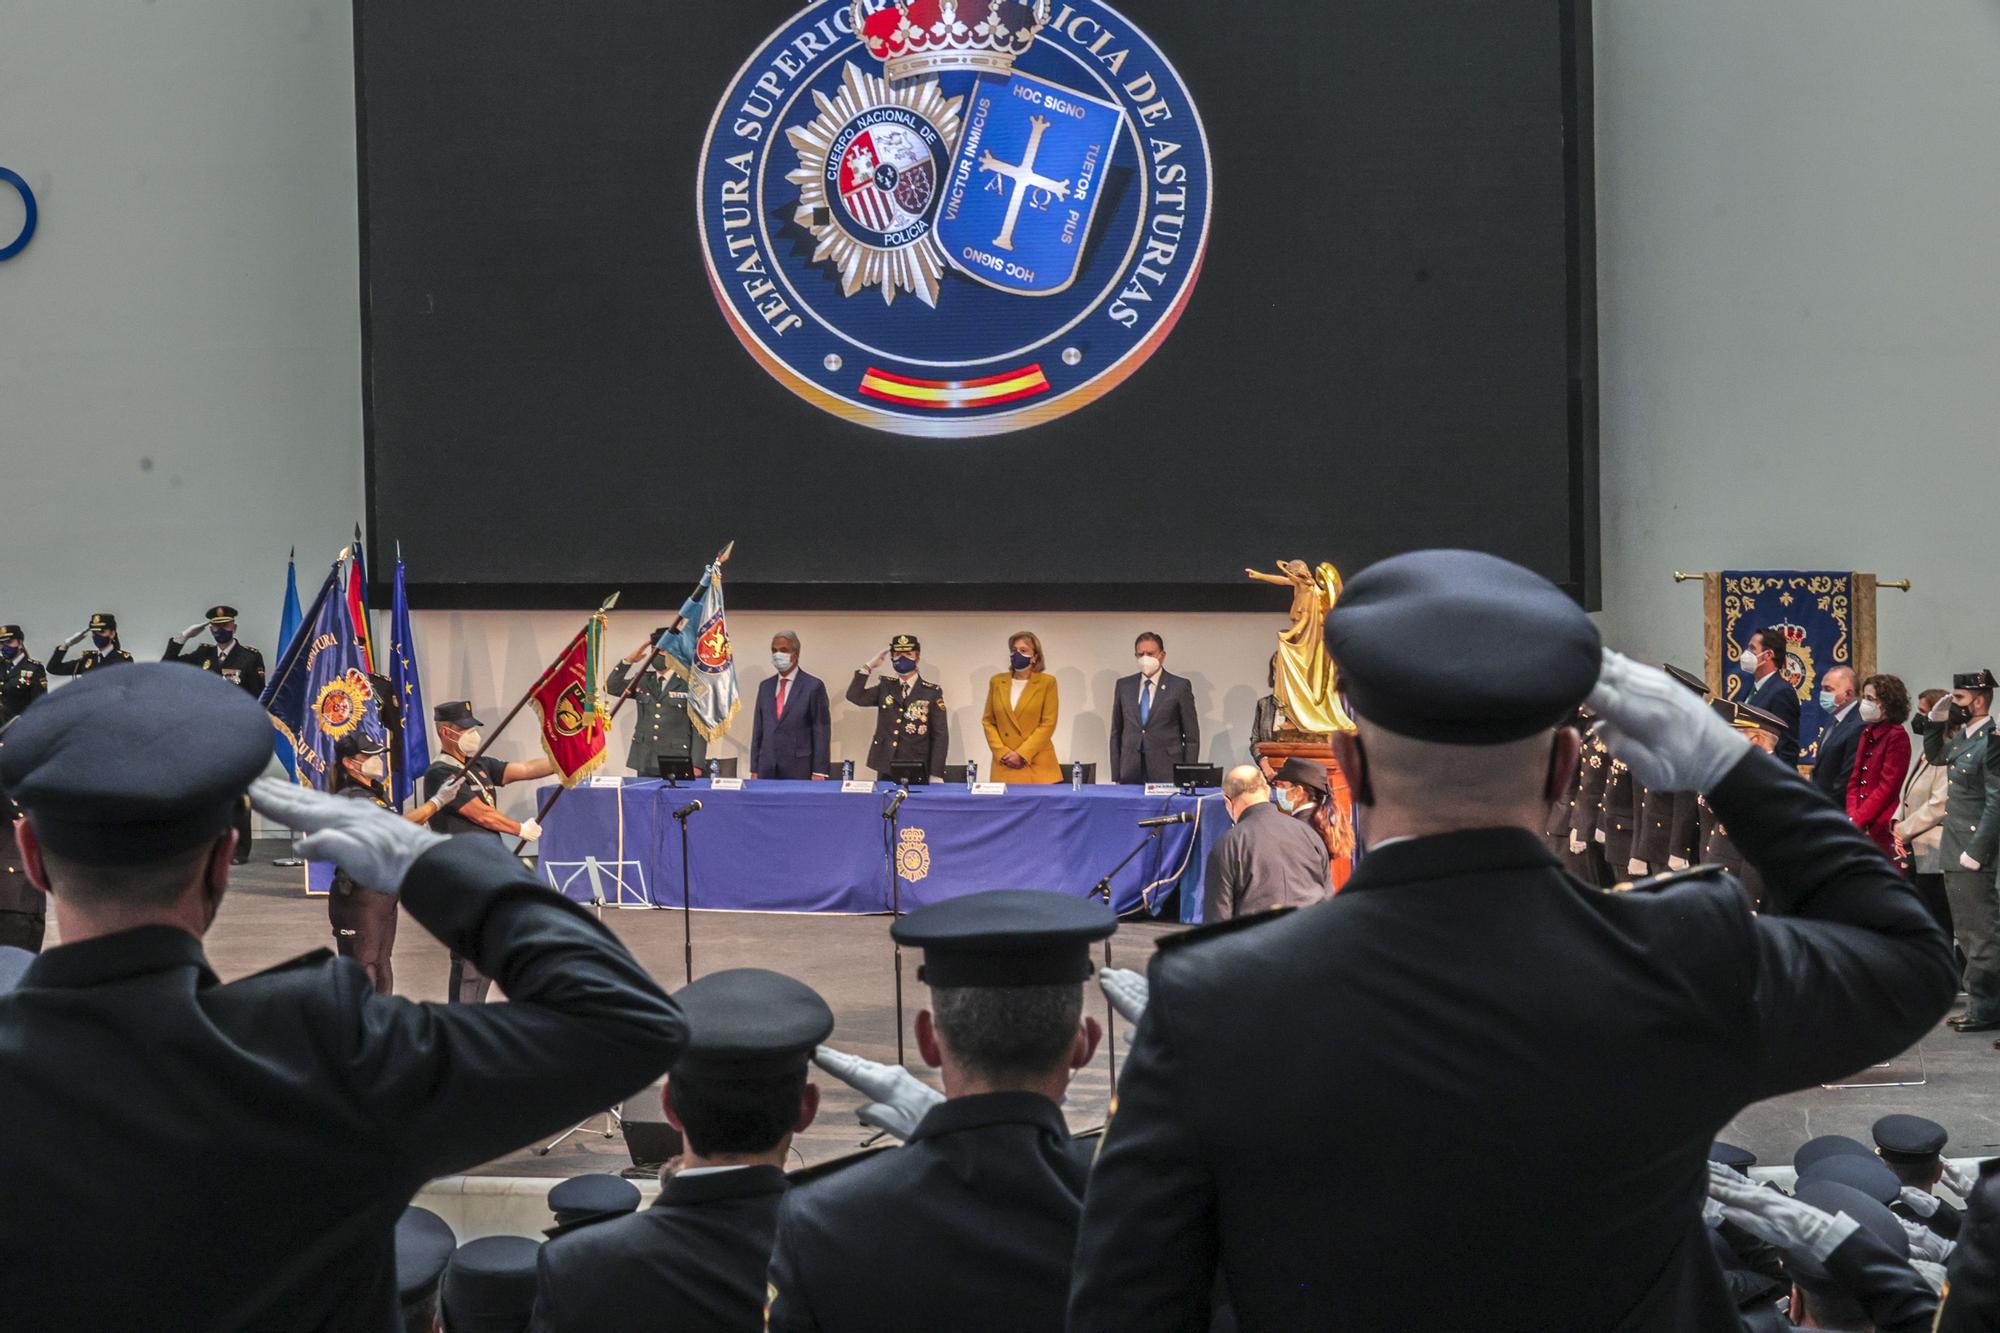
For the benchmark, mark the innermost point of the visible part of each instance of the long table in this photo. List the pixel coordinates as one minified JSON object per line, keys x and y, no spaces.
{"x":777,"y":846}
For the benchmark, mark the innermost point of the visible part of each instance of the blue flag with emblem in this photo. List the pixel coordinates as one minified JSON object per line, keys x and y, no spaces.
{"x":699,"y":648}
{"x":1813,"y":612}
{"x":320,"y":691}
{"x":1025,"y":182}
{"x":289,"y":620}
{"x":413,"y":748}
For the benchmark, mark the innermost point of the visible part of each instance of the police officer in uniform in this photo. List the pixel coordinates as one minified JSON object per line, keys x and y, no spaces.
{"x":1971,"y":839}
{"x":22,"y":679}
{"x":201,"y":1098}
{"x":236,"y":663}
{"x":364,"y":922}
{"x":696,"y":1258}
{"x":664,"y":729}
{"x":910,"y":722}
{"x":104,"y":650}
{"x":979,"y":1208}
{"x":1553,"y":1021}
{"x":1913,"y":1148}
{"x":23,"y":907}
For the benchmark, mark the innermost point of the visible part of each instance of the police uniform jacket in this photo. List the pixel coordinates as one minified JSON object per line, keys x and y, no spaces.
{"x":664,"y":727}
{"x":245,"y":1149}
{"x":1972,"y":794}
{"x":1716,"y":849}
{"x":1146,"y":750}
{"x":1616,"y":820}
{"x":238,"y":663}
{"x":61,"y":665}
{"x":16,"y":894}
{"x":694,"y":1260}
{"x":1972,"y":1295}
{"x":910,"y":725}
{"x":22,"y":681}
{"x":1462,"y":1014}
{"x":970,"y":1226}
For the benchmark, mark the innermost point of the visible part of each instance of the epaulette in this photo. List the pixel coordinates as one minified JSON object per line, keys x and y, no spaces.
{"x":1235,"y":923}
{"x":805,"y":1175}
{"x":312,"y":959}
{"x":1654,"y":883}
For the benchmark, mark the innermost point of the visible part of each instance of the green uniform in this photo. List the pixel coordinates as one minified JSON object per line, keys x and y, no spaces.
{"x":1971,"y":828}
{"x":664,"y":730}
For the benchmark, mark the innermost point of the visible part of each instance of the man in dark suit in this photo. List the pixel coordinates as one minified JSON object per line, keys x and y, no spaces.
{"x":1470,"y":1013}
{"x":696,"y":1258}
{"x":794,"y":727}
{"x":1763,"y":660}
{"x":971,"y":1225}
{"x":201,"y":1100}
{"x":1153,"y":721}
{"x":1840,"y":737}
{"x":1269,"y":859}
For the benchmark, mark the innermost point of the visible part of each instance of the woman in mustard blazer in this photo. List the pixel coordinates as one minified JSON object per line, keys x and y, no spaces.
{"x":1021,"y":716}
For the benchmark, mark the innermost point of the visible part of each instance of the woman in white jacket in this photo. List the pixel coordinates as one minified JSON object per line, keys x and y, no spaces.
{"x":1919,"y":825}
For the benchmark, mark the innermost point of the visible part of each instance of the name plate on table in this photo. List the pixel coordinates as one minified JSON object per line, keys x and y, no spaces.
{"x":725,"y":784}
{"x":989,"y":789}
{"x":862,"y":785}
{"x":1162,"y":789}
{"x":607,"y":782}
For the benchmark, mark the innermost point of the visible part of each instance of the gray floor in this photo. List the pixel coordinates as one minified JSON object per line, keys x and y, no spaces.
{"x":267,"y":920}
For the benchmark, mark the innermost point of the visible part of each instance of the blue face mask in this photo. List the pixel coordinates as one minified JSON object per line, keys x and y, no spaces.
{"x":101,"y":642}
{"x":222,"y":633}
{"x":1282,"y":799}
{"x":1826,"y":700}
{"x":10,"y":651}
{"x":905,"y":665}
{"x":1020,"y":661}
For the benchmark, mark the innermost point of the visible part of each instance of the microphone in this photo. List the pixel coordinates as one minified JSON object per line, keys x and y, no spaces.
{"x":687,"y":810}
{"x":896,"y":802}
{"x":1161,"y":821}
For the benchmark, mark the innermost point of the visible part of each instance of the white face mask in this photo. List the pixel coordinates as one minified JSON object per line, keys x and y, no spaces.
{"x":374,"y":768}
{"x":782,"y":661}
{"x":468,"y":742}
{"x":1871,"y":711}
{"x":1748,"y":661}
{"x":1149,"y":665}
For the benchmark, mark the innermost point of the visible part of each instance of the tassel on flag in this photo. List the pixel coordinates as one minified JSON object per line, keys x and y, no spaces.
{"x":575,"y":724}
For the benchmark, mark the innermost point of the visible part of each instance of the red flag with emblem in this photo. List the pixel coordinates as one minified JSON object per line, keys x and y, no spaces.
{"x":575,"y":726}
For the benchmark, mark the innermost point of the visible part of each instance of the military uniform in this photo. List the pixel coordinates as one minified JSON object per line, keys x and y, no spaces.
{"x":23,"y":907}
{"x":910,"y":722}
{"x":1914,"y":1144}
{"x":1971,"y":828}
{"x":103,"y":623}
{"x":236,"y":662}
{"x":1595,"y":767}
{"x":22,"y":679}
{"x":664,"y":729}
{"x":363,"y":921}
{"x":1615,"y":819}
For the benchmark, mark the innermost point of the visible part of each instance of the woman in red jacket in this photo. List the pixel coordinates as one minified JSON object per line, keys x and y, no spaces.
{"x":1881,"y":760}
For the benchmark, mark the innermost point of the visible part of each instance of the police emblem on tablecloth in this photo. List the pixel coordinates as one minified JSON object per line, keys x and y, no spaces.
{"x":1032,"y":172}
{"x":913,"y":858}
{"x":341,"y":703}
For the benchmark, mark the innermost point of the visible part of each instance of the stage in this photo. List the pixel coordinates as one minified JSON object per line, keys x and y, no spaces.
{"x":266,"y":920}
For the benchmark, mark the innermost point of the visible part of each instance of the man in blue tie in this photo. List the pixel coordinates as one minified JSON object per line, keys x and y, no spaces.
{"x":1153,"y":720}
{"x":794,"y":725}
{"x":1763,"y":660}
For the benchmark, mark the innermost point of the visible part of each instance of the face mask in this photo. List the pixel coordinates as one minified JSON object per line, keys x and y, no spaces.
{"x":101,"y":641}
{"x":782,"y":661}
{"x":1149,"y":665}
{"x":10,"y":651}
{"x":1871,"y":711}
{"x":1282,"y":798}
{"x":1826,"y":700}
{"x":1920,"y":724}
{"x":468,"y":741}
{"x":1020,"y":661}
{"x":374,"y":768}
{"x":1748,"y":661}
{"x":221,"y":634}
{"x":1959,"y":715}
{"x":905,"y":665}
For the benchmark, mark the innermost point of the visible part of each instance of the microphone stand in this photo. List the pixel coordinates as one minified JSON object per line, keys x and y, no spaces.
{"x":681,"y":817}
{"x":1102,"y":890}
{"x":893,"y":836}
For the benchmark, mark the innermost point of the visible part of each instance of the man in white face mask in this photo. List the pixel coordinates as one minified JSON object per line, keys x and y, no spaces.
{"x":1763,"y":660}
{"x":1153,"y":720}
{"x":793,"y":733}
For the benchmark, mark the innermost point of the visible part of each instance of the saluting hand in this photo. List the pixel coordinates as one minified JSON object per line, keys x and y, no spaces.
{"x":76,"y":638}
{"x":1663,"y":732}
{"x":374,"y":846}
{"x":190,"y":631}
{"x":1127,"y":990}
{"x":898,"y":1100}
{"x":1775,"y":1218}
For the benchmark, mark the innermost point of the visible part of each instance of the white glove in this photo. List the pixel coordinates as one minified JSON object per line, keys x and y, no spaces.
{"x":876,"y":662}
{"x":191,"y":631}
{"x":1775,"y":1218}
{"x":1601,"y":836}
{"x":1667,"y":736}
{"x":1677,"y":863}
{"x":1637,"y":867}
{"x":1941,"y":710}
{"x":1933,"y":1274}
{"x":76,"y":638}
{"x":449,"y":792}
{"x":1965,"y":859}
{"x":1921,"y":1202}
{"x":531,"y":830}
{"x":1126,"y":990}
{"x":1959,"y":1180}
{"x":1925,"y":1243}
{"x":1576,"y":843}
{"x":375,"y":847}
{"x":898,"y":1100}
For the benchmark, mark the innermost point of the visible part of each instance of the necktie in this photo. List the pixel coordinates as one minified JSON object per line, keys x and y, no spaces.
{"x":1145,"y":701}
{"x":782,"y":683}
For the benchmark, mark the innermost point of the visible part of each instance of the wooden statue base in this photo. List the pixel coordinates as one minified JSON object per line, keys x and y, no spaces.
{"x":1272,"y":754}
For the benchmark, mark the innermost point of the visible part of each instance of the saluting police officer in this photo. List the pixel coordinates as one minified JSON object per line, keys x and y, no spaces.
{"x":665,"y":730}
{"x":104,"y":650}
{"x":233,"y":660}
{"x":24,"y":908}
{"x":363,"y":922}
{"x":910,"y":722}
{"x":22,"y":679}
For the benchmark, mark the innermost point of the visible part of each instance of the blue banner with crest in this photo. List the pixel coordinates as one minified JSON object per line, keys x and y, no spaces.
{"x":1812,"y":611}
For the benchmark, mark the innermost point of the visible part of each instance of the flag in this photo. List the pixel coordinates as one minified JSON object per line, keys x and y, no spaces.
{"x":700,"y":652}
{"x":357,"y":603}
{"x":413,"y":746}
{"x":288,"y":628}
{"x":571,"y":706}
{"x":320,"y":691}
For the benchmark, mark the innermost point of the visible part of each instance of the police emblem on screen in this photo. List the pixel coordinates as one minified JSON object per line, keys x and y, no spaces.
{"x":954,"y":218}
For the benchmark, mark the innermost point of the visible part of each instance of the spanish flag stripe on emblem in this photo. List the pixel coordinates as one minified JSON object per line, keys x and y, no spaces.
{"x":946,"y":394}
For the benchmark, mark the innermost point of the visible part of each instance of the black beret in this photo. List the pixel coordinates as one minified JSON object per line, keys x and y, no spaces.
{"x":456,"y":713}
{"x":104,"y":620}
{"x":124,"y":767}
{"x":1462,"y":648}
{"x":1827,"y":1145}
{"x":1006,"y":937}
{"x":423,"y":1246}
{"x":905,"y":643}
{"x":1868,"y":1174}
{"x":11,"y":632}
{"x":1910,"y":1137}
{"x":489,"y":1285}
{"x":1830,"y":1196}
{"x":1981,"y":679}
{"x":1304,"y":772}
{"x":1728,"y":1154}
{"x":747,"y":1022}
{"x":596,"y":1196}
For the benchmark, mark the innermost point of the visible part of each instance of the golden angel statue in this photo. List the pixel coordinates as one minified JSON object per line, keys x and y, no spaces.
{"x":1306,"y":676}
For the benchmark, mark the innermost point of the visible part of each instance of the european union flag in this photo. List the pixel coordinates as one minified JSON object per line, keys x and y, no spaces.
{"x":320,"y":691}
{"x":289,"y":620}
{"x":413,"y":747}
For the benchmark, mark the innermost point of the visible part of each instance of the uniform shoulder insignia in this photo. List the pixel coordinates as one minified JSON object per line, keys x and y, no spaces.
{"x":805,"y":1175}
{"x":1654,"y":883}
{"x":312,"y":959}
{"x":1199,"y":934}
